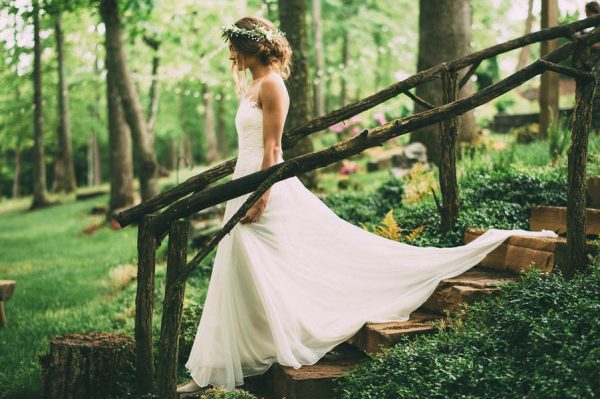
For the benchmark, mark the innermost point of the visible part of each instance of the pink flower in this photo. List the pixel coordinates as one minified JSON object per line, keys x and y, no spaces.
{"x":337,"y":128}
{"x":355,"y":118}
{"x":380,"y":117}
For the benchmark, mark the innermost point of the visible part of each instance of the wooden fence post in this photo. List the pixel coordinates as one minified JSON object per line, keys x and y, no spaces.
{"x":448,"y":127}
{"x":144,"y":303}
{"x":577,"y":159}
{"x":172,"y":308}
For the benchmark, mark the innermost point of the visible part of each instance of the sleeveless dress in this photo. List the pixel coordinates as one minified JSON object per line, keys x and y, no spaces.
{"x":301,"y":280}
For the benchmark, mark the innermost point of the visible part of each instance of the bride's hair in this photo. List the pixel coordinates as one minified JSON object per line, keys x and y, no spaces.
{"x":592,"y":7}
{"x":276,"y":51}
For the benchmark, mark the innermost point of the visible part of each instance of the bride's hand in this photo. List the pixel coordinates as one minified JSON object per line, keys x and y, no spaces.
{"x":255,"y":212}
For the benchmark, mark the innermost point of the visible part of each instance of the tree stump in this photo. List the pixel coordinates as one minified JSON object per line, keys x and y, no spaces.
{"x":93,"y":365}
{"x":7,"y":287}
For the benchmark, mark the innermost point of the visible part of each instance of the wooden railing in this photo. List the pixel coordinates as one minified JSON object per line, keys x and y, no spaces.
{"x":154,"y":226}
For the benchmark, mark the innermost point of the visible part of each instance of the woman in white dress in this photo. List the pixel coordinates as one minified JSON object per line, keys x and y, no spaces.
{"x":293,"y":280}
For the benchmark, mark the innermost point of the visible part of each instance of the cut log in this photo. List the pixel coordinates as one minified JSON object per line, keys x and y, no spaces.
{"x":373,"y":337}
{"x":91,"y":193}
{"x":555,"y":218}
{"x":7,"y":287}
{"x":92,"y":365}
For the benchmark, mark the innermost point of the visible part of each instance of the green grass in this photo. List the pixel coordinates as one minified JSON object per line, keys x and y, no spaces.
{"x":62,"y":283}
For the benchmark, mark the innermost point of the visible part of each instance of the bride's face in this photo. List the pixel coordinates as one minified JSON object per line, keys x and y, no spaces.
{"x":233,"y":56}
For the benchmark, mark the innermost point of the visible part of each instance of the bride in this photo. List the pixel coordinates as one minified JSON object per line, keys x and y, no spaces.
{"x":293,"y":280}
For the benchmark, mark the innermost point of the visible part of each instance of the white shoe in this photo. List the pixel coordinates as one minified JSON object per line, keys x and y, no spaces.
{"x":189,"y":387}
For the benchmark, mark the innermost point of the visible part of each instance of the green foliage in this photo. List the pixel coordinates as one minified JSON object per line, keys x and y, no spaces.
{"x":527,"y":187}
{"x":526,"y":133}
{"x":220,"y":393}
{"x":558,"y":138}
{"x":535,"y":339}
{"x":367,"y":207}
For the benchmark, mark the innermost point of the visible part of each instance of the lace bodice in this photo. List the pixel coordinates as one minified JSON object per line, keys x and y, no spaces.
{"x":249,"y":126}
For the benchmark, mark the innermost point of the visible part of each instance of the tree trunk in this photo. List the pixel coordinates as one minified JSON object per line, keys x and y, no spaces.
{"x":345,"y":54}
{"x":120,"y":151}
{"x":292,"y":14}
{"x":444,"y":35}
{"x":173,"y":153}
{"x":170,"y":326}
{"x":153,"y":95}
{"x":144,"y":305}
{"x":16,"y":188}
{"x":448,"y":183}
{"x":577,"y":163}
{"x":40,"y":194}
{"x":66,"y":180}
{"x":319,"y":58}
{"x":524,"y":53}
{"x":116,"y":61}
{"x":209,"y":128}
{"x":549,"y":80}
{"x":222,"y":145}
{"x":186,"y":144}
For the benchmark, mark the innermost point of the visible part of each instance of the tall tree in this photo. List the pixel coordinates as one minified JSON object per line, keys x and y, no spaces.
{"x":524,"y":52}
{"x":292,"y":14}
{"x":40,"y":194}
{"x":116,"y":62}
{"x":222,"y":144}
{"x":119,"y":142}
{"x":209,"y":127}
{"x":317,"y":25}
{"x":444,"y":34}
{"x":65,"y":166}
{"x":549,"y":80}
{"x":345,"y":51}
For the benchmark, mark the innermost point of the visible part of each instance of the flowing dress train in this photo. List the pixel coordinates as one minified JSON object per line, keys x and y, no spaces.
{"x":301,"y":280}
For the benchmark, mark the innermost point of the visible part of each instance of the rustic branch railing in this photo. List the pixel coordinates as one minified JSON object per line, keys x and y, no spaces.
{"x":202,"y":180}
{"x":377,"y":136}
{"x":154,"y":227}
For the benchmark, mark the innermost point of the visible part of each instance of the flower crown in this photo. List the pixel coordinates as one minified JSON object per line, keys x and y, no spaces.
{"x":259,"y":33}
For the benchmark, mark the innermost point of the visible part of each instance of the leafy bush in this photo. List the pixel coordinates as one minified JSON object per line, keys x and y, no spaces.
{"x":536,"y":339}
{"x":527,"y":133}
{"x":547,"y":186}
{"x":360,"y":208}
{"x":220,"y":393}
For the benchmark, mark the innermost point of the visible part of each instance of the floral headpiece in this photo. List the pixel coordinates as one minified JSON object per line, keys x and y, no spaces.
{"x":259,"y":33}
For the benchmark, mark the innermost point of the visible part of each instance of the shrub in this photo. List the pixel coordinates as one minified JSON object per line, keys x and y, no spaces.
{"x":358,"y":208}
{"x":536,"y":339}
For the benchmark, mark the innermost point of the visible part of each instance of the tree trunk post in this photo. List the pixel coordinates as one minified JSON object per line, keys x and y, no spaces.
{"x":448,"y":134}
{"x":172,"y":309}
{"x":144,"y":303}
{"x":577,"y":159}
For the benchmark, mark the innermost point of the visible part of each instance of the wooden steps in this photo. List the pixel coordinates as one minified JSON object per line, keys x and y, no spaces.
{"x":504,"y":264}
{"x":372,"y":337}
{"x":474,"y":285}
{"x":316,"y":381}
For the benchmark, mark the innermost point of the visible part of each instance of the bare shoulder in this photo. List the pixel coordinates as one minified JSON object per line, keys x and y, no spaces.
{"x":273,"y":91}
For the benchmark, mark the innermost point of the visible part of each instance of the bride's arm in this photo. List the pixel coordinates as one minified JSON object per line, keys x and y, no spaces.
{"x":274,"y":109}
{"x":273,"y":96}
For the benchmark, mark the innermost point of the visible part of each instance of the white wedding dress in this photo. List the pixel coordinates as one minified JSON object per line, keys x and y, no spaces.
{"x":301,"y":280}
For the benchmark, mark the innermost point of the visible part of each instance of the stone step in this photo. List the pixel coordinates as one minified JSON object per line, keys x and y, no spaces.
{"x":555,"y":218}
{"x":316,"y":381}
{"x":475,"y":284}
{"x":518,"y":254}
{"x":373,"y":337}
